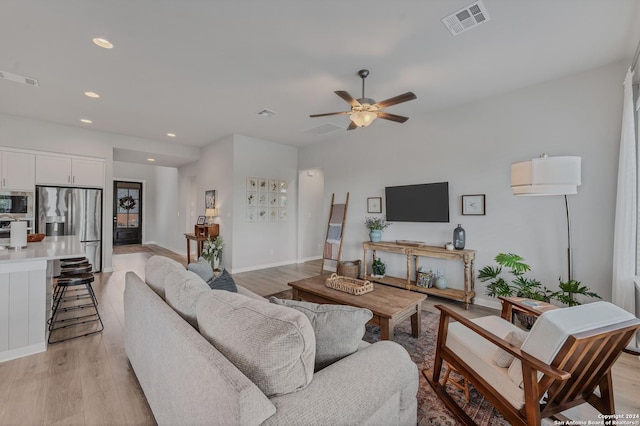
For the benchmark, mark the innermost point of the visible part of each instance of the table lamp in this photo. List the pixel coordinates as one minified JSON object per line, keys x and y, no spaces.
{"x":211,"y":213}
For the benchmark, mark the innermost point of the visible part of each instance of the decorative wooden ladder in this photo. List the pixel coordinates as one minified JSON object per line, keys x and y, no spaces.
{"x":335,"y":231}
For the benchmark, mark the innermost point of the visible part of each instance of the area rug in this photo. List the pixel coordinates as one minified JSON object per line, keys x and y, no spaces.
{"x":431,"y":410}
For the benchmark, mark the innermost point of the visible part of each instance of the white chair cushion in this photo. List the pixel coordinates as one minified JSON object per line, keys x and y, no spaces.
{"x":502,"y":358}
{"x":478,"y":353}
{"x":552,"y":328}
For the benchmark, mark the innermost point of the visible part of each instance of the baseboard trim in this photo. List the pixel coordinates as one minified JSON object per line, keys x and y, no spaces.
{"x":264,"y":266}
{"x":309,"y":259}
{"x":23,"y":351}
{"x":487,"y":303}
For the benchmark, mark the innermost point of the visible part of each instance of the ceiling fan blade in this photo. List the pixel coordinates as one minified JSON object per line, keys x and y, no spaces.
{"x":330,"y":113}
{"x":392,"y":117}
{"x":409,"y":96}
{"x":352,"y":126}
{"x":347,"y":97}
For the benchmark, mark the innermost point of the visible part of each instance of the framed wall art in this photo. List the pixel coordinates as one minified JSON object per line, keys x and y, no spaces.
{"x":201,"y":220}
{"x":210,"y":199}
{"x":374,"y":205}
{"x":474,"y":205}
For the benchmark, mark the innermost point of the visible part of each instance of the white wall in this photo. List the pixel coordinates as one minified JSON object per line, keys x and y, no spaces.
{"x":312,"y":225}
{"x":472,"y":148}
{"x":214,"y":170}
{"x":259,"y":245}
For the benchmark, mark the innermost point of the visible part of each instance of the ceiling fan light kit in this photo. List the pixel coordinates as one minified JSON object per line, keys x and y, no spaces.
{"x":365,"y":110}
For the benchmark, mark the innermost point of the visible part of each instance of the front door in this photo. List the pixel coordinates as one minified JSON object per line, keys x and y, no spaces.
{"x":127,"y":213}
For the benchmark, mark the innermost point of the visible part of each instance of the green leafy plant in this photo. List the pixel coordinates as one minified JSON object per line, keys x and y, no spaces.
{"x":528,"y":287}
{"x":519,"y":285}
{"x":375,"y":223}
{"x":569,"y":290}
{"x":378,"y":266}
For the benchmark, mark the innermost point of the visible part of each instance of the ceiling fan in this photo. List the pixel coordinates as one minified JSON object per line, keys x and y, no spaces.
{"x":365,"y":110}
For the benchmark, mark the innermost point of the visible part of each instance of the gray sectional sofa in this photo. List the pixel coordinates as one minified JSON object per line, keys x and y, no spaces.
{"x":214,"y":357}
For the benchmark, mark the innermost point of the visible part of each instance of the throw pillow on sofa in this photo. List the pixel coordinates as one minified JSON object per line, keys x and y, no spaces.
{"x":272,"y":345}
{"x":220,"y":281}
{"x":338,"y":328}
{"x":202,"y":268}
{"x":182,"y":290}
{"x":223,"y":281}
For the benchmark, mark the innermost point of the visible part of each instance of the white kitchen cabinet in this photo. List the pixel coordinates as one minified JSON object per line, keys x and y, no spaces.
{"x":67,"y":171}
{"x":17,"y":171}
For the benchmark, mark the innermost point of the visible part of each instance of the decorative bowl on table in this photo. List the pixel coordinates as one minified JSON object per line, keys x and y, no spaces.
{"x":34,"y":238}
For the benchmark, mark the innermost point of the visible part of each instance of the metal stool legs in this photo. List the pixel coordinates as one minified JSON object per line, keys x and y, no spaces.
{"x":74,"y":294}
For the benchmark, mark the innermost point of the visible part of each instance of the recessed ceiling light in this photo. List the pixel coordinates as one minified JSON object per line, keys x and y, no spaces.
{"x":86,"y":121}
{"x":103,"y":42}
{"x":92,"y":94}
{"x":171,"y":135}
{"x":151,"y":160}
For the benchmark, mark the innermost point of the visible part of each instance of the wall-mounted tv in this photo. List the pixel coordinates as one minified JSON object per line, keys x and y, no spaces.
{"x":427,"y":202}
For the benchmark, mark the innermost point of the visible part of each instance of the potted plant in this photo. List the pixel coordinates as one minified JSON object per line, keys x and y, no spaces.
{"x":379,"y":268}
{"x":212,"y":251}
{"x":527,"y":287}
{"x":375,"y":225}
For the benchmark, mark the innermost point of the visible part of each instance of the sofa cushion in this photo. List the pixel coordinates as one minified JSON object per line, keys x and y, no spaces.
{"x":182,"y":290}
{"x":202,"y":268}
{"x":502,"y":358}
{"x":338,"y":328}
{"x":156,"y":271}
{"x":272,"y":345}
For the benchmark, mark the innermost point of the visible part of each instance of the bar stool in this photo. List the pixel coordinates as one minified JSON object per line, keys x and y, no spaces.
{"x":74,"y":292}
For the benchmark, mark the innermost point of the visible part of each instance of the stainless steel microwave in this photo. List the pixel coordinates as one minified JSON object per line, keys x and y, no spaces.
{"x":16,"y":203}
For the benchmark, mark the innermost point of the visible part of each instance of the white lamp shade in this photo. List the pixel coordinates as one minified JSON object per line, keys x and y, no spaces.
{"x":363,"y":118}
{"x":546,"y":176}
{"x":211,"y":212}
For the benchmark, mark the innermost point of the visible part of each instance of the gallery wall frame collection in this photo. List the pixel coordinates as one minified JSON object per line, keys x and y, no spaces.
{"x":266,"y":200}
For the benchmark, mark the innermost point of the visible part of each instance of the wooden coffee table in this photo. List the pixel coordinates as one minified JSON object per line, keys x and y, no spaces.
{"x":390,"y":305}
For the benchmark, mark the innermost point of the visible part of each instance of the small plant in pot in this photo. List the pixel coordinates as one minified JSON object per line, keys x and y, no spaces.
{"x":379,"y":268}
{"x":375,"y":225}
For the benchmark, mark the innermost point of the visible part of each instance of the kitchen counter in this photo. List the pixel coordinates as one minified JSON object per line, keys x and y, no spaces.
{"x":25,"y":293}
{"x":52,"y":247}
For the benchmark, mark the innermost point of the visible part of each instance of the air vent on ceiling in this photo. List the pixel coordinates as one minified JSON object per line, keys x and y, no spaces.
{"x":19,"y":79}
{"x":323,"y":129}
{"x":266,"y":113}
{"x":466,"y":18}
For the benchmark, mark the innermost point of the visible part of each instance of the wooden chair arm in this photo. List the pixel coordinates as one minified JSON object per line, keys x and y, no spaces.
{"x":535,"y":363}
{"x":631,"y":350}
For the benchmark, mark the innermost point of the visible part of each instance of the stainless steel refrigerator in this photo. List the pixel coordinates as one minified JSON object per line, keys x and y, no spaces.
{"x":72,"y":211}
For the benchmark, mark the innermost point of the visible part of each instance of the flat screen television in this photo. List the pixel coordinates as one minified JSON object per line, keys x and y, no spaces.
{"x":427,"y":202}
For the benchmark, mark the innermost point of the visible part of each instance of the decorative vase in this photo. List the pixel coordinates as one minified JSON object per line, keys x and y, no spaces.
{"x":459,"y":237}
{"x":441,"y":283}
{"x":375,"y":235}
{"x":215,"y":261}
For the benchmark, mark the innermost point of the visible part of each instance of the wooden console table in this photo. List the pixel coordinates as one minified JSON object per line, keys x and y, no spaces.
{"x":202,"y":232}
{"x":413,"y":252}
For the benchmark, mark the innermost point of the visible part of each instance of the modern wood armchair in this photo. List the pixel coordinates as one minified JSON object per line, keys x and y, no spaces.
{"x":565,"y":360}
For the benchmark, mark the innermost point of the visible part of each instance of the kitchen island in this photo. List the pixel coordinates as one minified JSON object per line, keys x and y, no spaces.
{"x":25,"y":292}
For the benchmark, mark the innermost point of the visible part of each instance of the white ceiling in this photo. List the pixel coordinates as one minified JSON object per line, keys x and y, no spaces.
{"x":203,"y":69}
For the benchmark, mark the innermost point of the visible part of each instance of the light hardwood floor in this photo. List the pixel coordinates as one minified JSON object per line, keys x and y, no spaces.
{"x":89,"y":381}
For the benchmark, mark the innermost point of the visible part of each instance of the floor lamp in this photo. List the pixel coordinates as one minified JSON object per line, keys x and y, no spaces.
{"x":549,"y":176}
